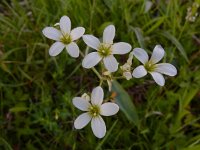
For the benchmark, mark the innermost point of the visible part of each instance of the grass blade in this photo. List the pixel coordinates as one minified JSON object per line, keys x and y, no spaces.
{"x":140,"y":38}
{"x":5,"y":143}
{"x":176,"y":43}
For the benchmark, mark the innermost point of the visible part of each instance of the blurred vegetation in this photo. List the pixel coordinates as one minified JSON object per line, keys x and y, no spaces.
{"x":36,"y":90}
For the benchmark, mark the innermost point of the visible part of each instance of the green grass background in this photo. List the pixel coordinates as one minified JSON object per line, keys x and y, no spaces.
{"x":36,"y":90}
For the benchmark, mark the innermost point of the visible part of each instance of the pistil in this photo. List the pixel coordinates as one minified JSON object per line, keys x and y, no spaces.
{"x":94,"y":111}
{"x":104,"y":49}
{"x":66,"y":39}
{"x":149,"y":66}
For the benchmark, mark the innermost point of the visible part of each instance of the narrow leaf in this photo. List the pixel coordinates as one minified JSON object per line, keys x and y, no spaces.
{"x":5,"y":143}
{"x":156,"y":24}
{"x":196,"y":147}
{"x":139,"y":35}
{"x":18,"y":109}
{"x":125,"y":103}
{"x":176,"y":43}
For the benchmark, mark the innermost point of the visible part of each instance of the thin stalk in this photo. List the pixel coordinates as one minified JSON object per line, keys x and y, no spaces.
{"x":120,"y":77}
{"x":97,"y":73}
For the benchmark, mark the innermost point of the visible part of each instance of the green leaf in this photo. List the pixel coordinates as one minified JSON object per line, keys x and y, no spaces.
{"x":106,"y":137}
{"x":5,"y":144}
{"x":176,"y":43}
{"x":156,"y":23}
{"x":18,"y":109}
{"x":186,"y":96}
{"x":139,"y":35}
{"x":197,"y":147}
{"x":125,"y":103}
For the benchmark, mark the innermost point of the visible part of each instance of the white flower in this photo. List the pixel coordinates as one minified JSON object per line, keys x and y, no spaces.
{"x":64,"y":37}
{"x":150,"y":66}
{"x":93,"y":113}
{"x":105,"y":50}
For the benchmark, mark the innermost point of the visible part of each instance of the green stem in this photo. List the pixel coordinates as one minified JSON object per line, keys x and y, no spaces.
{"x":120,"y":77}
{"x":97,"y":73}
{"x":86,"y":50}
{"x":82,"y":54}
{"x":101,"y":81}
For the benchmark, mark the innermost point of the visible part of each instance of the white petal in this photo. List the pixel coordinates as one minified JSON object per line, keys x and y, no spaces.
{"x":139,"y":72}
{"x":158,"y":54}
{"x":65,"y":25}
{"x":76,"y":33}
{"x":98,"y":127}
{"x":56,"y":48}
{"x":148,"y":5}
{"x":159,"y":79}
{"x":91,"y":60}
{"x":166,"y":68}
{"x":141,"y":55}
{"x":97,"y":96}
{"x":52,"y":33}
{"x":110,"y":63}
{"x":91,"y":41}
{"x":121,"y":48}
{"x":82,"y":120}
{"x":109,"y":34}
{"x":81,"y":103}
{"x":109,"y":109}
{"x":73,"y":49}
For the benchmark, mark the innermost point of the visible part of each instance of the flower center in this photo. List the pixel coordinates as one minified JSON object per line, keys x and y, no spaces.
{"x":94,"y":110}
{"x":149,"y":66}
{"x":66,"y":39}
{"x":104,"y":49}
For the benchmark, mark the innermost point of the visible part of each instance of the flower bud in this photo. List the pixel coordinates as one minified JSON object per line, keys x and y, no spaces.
{"x":86,"y":96}
{"x":127,"y":75}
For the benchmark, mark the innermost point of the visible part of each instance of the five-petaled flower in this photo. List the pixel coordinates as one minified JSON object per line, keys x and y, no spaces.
{"x":64,"y":37}
{"x":150,"y":66}
{"x":105,"y":50}
{"x":94,"y":110}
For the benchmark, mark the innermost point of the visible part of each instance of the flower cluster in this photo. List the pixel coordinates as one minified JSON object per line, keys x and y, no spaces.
{"x":126,"y":68}
{"x":103,"y":53}
{"x":192,"y":12}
